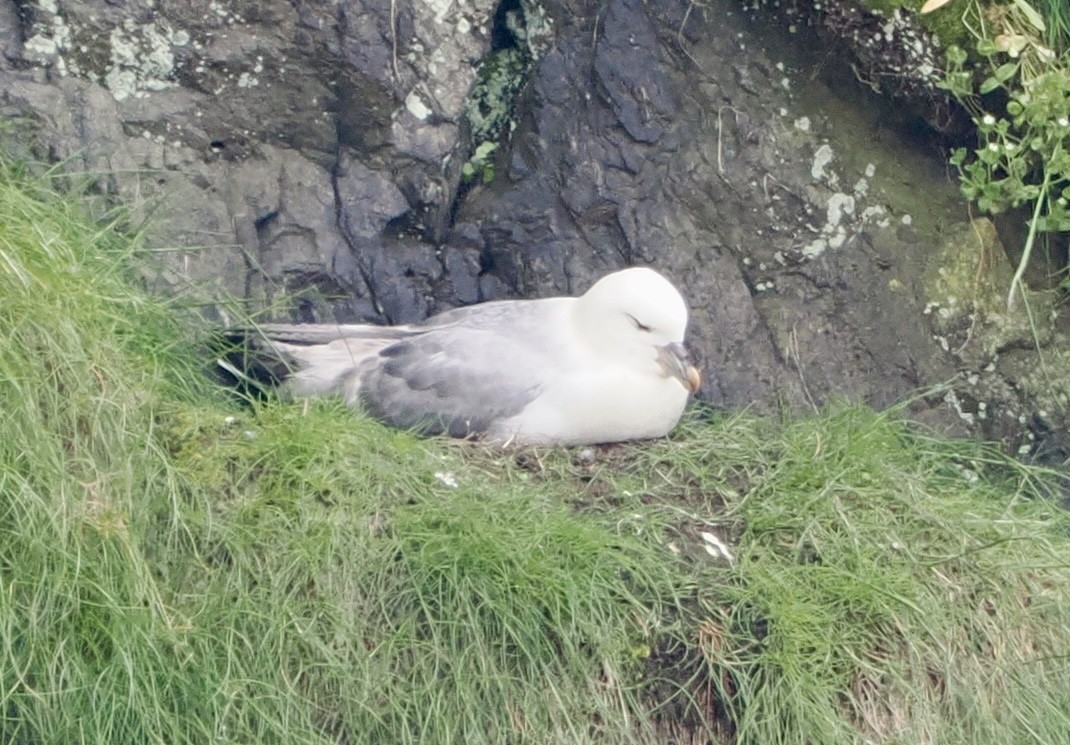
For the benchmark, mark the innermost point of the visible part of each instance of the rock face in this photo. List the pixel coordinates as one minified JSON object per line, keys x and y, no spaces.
{"x":307,"y":157}
{"x":279,"y":140}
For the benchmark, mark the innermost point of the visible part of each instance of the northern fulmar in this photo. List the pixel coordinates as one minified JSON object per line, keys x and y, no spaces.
{"x":607,"y":366}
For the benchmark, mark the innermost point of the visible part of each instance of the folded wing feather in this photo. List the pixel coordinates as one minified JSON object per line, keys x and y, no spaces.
{"x":444,"y":375}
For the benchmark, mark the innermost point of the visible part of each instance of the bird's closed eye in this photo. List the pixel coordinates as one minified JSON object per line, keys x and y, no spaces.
{"x":638,"y":324}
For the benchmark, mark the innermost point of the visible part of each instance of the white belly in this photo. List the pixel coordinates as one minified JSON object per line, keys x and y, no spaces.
{"x":597,"y":408}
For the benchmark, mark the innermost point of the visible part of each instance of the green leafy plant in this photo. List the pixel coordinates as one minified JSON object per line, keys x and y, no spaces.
{"x":1021,"y":107}
{"x":490,"y":109}
{"x":481,"y":164}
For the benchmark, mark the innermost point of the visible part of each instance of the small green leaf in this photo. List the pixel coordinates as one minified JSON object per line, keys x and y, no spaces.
{"x":1058,"y":162}
{"x":1030,"y":14}
{"x":988,"y":157}
{"x":1026,"y":193}
{"x":484,"y":151}
{"x":956,"y":55}
{"x":989,"y":85}
{"x":1056,"y":221}
{"x":1005,"y":72}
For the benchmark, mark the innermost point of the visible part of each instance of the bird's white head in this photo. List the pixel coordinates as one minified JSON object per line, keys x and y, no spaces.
{"x":637,"y":314}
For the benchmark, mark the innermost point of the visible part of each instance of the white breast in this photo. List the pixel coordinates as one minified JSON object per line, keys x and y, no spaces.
{"x":595,"y":408}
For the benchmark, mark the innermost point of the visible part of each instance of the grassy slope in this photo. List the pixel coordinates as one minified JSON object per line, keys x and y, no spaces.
{"x":174,"y":569}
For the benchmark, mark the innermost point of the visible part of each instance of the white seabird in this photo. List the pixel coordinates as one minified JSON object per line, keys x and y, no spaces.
{"x":607,"y":366}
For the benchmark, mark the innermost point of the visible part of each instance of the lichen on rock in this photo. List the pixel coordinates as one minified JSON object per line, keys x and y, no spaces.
{"x":967,"y":282}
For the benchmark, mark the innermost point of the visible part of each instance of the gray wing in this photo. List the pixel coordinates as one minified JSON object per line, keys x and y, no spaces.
{"x":462,"y":376}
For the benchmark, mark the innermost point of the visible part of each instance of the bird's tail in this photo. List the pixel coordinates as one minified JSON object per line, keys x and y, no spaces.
{"x":247,"y":360}
{"x":302,"y":359}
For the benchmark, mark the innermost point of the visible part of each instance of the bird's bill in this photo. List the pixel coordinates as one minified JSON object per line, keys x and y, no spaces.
{"x":676,"y":363}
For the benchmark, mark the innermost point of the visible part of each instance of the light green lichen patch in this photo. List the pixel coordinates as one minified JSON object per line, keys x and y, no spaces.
{"x":945,"y":23}
{"x":141,"y":58}
{"x":131,"y":59}
{"x":49,"y":37}
{"x":844,"y":211}
{"x":533,"y":28}
{"x":966,"y":285}
{"x":1050,"y":380}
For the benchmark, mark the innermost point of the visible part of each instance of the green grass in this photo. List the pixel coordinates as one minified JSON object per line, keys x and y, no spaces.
{"x":888,"y":584}
{"x":175,"y":568}
{"x":1056,"y":15}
